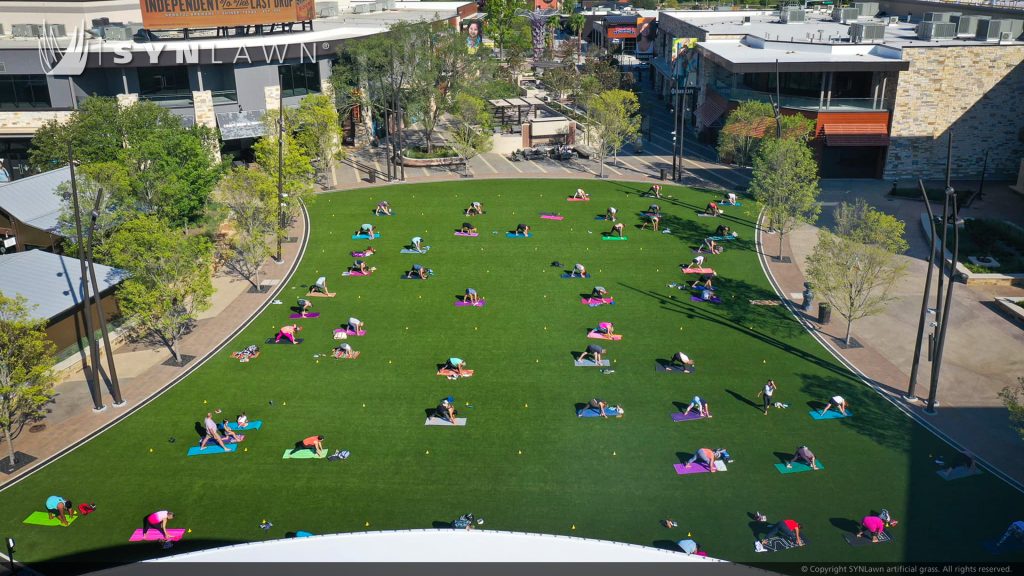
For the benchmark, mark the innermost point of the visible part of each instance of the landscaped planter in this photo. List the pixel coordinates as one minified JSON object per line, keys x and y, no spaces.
{"x":426,"y":162}
{"x":1011,"y":307}
{"x":975,"y":278}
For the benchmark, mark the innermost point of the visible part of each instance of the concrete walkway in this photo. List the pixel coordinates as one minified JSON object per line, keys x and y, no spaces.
{"x":983,"y":347}
{"x":141,"y":367}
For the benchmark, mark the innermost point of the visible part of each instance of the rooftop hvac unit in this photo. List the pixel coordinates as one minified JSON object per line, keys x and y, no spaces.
{"x":361,"y":8}
{"x":991,"y":29}
{"x":867,"y":32}
{"x":116,"y":32}
{"x":893,"y":20}
{"x":327,"y":10}
{"x":723,"y":8}
{"x":1,"y":29}
{"x":100,"y":22}
{"x":967,"y":25}
{"x":933,"y":30}
{"x":1016,"y":29}
{"x":866,"y":9}
{"x":844,"y":15}
{"x":1005,"y":37}
{"x":56,"y":30}
{"x":793,"y":14}
{"x":27,"y":30}
{"x":940,"y":16}
{"x":390,"y":4}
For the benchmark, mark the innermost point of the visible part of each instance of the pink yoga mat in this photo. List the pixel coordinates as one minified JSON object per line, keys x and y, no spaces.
{"x":601,"y":336}
{"x":350,"y":332}
{"x":679,"y":417}
{"x":469,"y":234}
{"x":593,"y":301}
{"x":152,"y":535}
{"x":361,"y":254}
{"x":552,"y":217}
{"x":571,"y":199}
{"x":698,"y":271}
{"x":478,"y":303}
{"x":356,"y":273}
{"x":308,"y":315}
{"x":695,"y":468}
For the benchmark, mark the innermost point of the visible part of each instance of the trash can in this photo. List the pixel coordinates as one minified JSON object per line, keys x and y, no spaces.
{"x":824,"y":313}
{"x":371,"y":177}
{"x":663,"y":174}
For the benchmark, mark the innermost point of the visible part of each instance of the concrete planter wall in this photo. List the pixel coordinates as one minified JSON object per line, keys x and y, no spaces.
{"x":427,"y":162}
{"x":1012,"y":308}
{"x":975,"y":278}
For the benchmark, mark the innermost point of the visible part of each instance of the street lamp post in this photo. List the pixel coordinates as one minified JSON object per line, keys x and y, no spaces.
{"x":940,"y":346}
{"x":279,"y":258}
{"x":911,"y":394}
{"x":115,"y":386}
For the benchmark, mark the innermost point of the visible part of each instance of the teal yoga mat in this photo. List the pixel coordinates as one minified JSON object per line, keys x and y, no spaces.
{"x":830,"y":415}
{"x":798,"y":467}
{"x":211,"y":448}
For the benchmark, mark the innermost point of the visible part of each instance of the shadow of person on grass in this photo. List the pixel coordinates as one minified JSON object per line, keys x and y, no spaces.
{"x":845,"y":524}
{"x":870,"y":417}
{"x":666,"y":545}
{"x":783,"y":456}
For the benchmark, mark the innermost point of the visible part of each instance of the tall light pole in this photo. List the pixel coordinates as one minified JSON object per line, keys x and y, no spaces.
{"x":115,"y":386}
{"x":911,"y":394}
{"x":937,"y":363}
{"x":280,"y":169}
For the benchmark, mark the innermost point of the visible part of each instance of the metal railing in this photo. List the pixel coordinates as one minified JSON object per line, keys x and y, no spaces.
{"x":371,"y":172}
{"x":806,"y":102}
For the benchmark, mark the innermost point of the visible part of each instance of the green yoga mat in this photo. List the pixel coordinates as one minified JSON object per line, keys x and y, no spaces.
{"x":304,"y":454}
{"x":798,"y":467}
{"x":43,"y":519}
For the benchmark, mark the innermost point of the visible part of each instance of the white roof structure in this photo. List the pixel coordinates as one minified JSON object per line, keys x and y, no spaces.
{"x":423,"y":546}
{"x":50,"y":282}
{"x":34,"y":200}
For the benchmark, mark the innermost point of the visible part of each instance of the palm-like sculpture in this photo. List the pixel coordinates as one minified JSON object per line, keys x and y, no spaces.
{"x":538,"y":20}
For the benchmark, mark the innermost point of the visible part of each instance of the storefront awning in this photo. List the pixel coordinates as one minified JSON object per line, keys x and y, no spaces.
{"x":856,"y":135}
{"x":713,"y":107}
{"x":240,"y":125}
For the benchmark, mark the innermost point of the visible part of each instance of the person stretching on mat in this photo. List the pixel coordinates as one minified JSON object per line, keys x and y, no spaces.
{"x":211,"y":433}
{"x":702,"y":406}
{"x":445,"y":411}
{"x":288,"y":332}
{"x":730,"y":198}
{"x":522,"y":229}
{"x":722,"y":230}
{"x":766,"y":393}
{"x":417,"y":243}
{"x":366,"y":230}
{"x":417,"y":271}
{"x":707,"y":457}
{"x":60,"y":508}
{"x":304,"y":305}
{"x":602,"y":406}
{"x":320,"y":286}
{"x":654,"y":209}
{"x":873,"y":526}
{"x":790,"y":529}
{"x":616,"y":229}
{"x":457,"y":365}
{"x":839,"y":402}
{"x":578,"y":270}
{"x":712,"y":209}
{"x":229,"y":434}
{"x":242,"y":420}
{"x":705,"y":281}
{"x":383,"y":207}
{"x":594,"y":351}
{"x":475,"y":209}
{"x":610,"y":214}
{"x":344,"y":350}
{"x":313,"y":444}
{"x":157,"y":521}
{"x":471,"y":296}
{"x":599,"y":292}
{"x":360,"y":267}
{"x":655,"y":191}
{"x":605,"y":328}
{"x":355,"y":325}
{"x":467,"y":228}
{"x":711,"y":246}
{"x":581,"y":194}
{"x":804,"y":454}
{"x":683,"y":360}
{"x":651,"y":219}
{"x":697,"y":262}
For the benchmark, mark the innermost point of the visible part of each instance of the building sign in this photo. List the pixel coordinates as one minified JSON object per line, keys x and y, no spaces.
{"x":681,"y":44}
{"x":622,"y":31}
{"x":646,"y":37}
{"x":174,"y":14}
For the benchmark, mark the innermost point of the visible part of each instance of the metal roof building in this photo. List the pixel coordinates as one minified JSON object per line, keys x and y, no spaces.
{"x":29,"y":211}
{"x":51,"y":283}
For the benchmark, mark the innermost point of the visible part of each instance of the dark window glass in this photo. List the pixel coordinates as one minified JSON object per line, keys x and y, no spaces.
{"x":24,"y":91}
{"x":164,"y":83}
{"x":299,"y":79}
{"x":792,"y":84}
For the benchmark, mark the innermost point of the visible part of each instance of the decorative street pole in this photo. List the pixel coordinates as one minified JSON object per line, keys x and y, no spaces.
{"x":115,"y":386}
{"x":279,"y":258}
{"x":911,"y":394}
{"x":937,"y":363}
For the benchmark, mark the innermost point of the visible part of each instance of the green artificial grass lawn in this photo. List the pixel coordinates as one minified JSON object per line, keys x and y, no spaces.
{"x":524,"y":462}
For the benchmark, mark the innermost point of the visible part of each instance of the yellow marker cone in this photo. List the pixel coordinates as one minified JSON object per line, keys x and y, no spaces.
{"x":573,"y":527}
{"x":427,"y":452}
{"x":520,"y":452}
{"x":204,"y":401}
{"x":245,"y":450}
{"x":367,"y":524}
{"x":475,"y":328}
{"x":284,"y":403}
{"x":689,"y":534}
{"x":364,"y":405}
{"x":150,"y":449}
{"x":189,"y":530}
{"x":614,"y":454}
{"x":389,"y":361}
{"x":526,"y":405}
{"x":764,"y":361}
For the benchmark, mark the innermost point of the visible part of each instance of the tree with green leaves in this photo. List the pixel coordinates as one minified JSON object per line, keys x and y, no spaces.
{"x":26,"y":369}
{"x":750,"y":123}
{"x":502,"y":16}
{"x":577,"y":22}
{"x":249,"y":196}
{"x":116,"y":205}
{"x":862,"y":223}
{"x":168,"y":281}
{"x":1013,"y":399}
{"x":616,"y":116}
{"x":856,"y":279}
{"x":785,"y":182}
{"x":562,"y":79}
{"x":607,"y":74}
{"x":470,"y":133}
{"x":314,"y":124}
{"x":298,"y":167}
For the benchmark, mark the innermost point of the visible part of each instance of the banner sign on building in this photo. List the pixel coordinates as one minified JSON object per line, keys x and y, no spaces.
{"x":622,"y":31}
{"x":681,"y":44}
{"x":646,"y":38}
{"x":175,"y":14}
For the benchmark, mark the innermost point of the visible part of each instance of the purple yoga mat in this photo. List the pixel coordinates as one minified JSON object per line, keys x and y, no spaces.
{"x":350,"y":332}
{"x":715,"y":300}
{"x":465,"y":234}
{"x":552,"y":217}
{"x":695,"y":468}
{"x":478,"y":304}
{"x":679,"y":417}
{"x":308,"y":315}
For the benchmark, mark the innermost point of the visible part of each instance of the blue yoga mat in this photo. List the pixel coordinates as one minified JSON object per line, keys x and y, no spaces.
{"x":251,"y":425}
{"x":595,"y":413}
{"x":364,"y":236}
{"x":830,"y":415}
{"x":511,"y":235}
{"x":567,"y":276}
{"x":211,"y":448}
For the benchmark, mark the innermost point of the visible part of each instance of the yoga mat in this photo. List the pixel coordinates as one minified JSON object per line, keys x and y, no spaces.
{"x":680,"y":417}
{"x":467,"y":234}
{"x":407,"y":277}
{"x":601,"y":336}
{"x":43,"y":519}
{"x":355,"y":354}
{"x":596,"y":301}
{"x":596,"y":413}
{"x":830,"y":415}
{"x":659,"y":367}
{"x":858,"y":541}
{"x":465,"y":373}
{"x":478,"y":303}
{"x":566,"y":275}
{"x":350,"y":332}
{"x":958,"y":473}
{"x":304,"y":454}
{"x":799,"y":467}
{"x":308,"y":315}
{"x":547,"y":216}
{"x":614,"y":238}
{"x":211,"y":448}
{"x":728,"y":204}
{"x":571,"y":199}
{"x":320,"y":295}
{"x":153,"y":534}
{"x":435,"y":421}
{"x":250,"y":425}
{"x":714,"y":300}
{"x":414,"y":251}
{"x":721,"y":238}
{"x":777,"y":543}
{"x":361,"y":254}
{"x":355,"y":273}
{"x":583,"y":363}
{"x":1011,"y":545}
{"x":283,"y":341}
{"x":241,"y":438}
{"x":513,"y":235}
{"x":698,"y":271}
{"x":698,"y":468}
{"x":703,"y":215}
{"x":364,"y":236}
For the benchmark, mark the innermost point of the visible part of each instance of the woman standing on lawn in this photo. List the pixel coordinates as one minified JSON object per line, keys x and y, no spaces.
{"x":766,"y":393}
